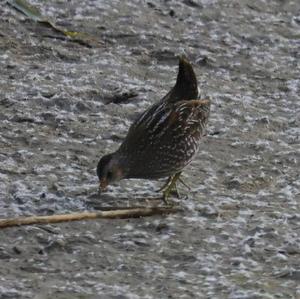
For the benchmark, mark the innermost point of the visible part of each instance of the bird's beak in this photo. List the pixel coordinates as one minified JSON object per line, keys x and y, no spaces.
{"x":103,"y":184}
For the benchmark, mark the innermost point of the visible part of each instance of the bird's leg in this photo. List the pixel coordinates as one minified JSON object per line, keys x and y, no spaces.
{"x":165,"y":184}
{"x":171,"y":185}
{"x":170,"y":181}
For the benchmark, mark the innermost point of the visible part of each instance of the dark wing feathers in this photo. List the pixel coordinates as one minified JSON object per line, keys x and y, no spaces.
{"x":158,"y":128}
{"x":165,"y":137}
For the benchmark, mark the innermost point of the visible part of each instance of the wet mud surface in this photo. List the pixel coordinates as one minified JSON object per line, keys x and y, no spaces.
{"x":64,"y":104}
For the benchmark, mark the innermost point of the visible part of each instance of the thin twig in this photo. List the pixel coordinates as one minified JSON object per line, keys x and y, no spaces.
{"x":112,"y":214}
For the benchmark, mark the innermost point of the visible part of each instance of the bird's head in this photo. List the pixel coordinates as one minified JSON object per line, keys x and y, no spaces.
{"x":109,"y":170}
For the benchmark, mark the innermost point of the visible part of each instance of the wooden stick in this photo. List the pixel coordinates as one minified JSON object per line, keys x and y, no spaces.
{"x":112,"y":214}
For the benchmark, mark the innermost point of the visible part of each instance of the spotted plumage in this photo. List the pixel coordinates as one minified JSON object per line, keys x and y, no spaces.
{"x":163,"y":139}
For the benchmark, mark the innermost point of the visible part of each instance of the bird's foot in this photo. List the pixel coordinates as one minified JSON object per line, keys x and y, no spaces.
{"x":169,"y":187}
{"x":165,"y":185}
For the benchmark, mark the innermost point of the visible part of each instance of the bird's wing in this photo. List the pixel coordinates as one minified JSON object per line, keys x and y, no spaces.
{"x":193,"y":114}
{"x":140,"y":134}
{"x":163,"y":120}
{"x":160,"y":131}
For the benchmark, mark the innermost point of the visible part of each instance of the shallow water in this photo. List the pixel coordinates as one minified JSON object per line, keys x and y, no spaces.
{"x":239,"y":236}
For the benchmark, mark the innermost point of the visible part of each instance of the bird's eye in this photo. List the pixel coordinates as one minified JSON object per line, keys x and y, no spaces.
{"x":109,"y":175}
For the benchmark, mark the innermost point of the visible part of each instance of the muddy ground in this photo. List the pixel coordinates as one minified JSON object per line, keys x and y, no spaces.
{"x":64,"y":103}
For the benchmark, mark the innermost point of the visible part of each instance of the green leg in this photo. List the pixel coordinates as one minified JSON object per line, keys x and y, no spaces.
{"x":165,"y":185}
{"x":171,"y":185}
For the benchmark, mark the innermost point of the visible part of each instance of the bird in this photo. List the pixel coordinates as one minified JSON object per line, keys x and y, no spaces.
{"x":163,"y":139}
